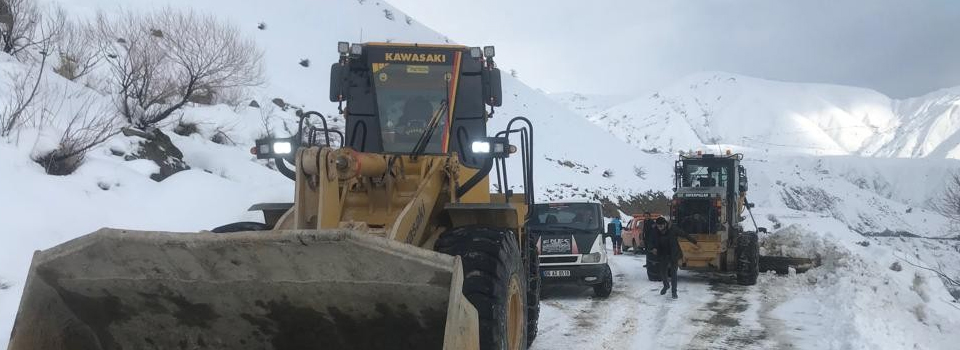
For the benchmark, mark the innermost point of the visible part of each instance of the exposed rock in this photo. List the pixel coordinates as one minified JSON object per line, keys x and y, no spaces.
{"x":158,"y":148}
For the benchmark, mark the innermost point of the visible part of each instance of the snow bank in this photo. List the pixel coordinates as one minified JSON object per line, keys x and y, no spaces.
{"x":864,"y":296}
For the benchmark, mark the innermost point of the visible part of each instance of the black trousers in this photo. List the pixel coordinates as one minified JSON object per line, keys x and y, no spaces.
{"x":617,"y":241}
{"x":668,"y":271}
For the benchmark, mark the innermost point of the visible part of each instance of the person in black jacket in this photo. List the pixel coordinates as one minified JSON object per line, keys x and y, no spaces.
{"x":667,"y":249}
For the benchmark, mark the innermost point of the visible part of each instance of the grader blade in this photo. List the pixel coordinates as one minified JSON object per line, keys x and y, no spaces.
{"x":327,"y":289}
{"x":783,"y":264}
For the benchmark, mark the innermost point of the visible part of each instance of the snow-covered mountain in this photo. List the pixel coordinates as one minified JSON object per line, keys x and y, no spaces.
{"x":720,"y":108}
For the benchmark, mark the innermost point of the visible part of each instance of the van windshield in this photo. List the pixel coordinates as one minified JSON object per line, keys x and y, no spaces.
{"x":585,"y":216}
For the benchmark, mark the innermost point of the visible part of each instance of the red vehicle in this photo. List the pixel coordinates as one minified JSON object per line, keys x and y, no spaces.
{"x":633,"y":232}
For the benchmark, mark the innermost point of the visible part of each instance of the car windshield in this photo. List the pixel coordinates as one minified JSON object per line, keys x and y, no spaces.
{"x":408,"y":97}
{"x":584,"y":216}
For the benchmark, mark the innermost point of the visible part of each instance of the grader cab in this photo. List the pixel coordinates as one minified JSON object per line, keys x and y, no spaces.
{"x":394,"y":240}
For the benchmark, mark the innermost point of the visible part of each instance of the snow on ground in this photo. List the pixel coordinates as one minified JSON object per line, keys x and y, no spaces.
{"x":853,"y":301}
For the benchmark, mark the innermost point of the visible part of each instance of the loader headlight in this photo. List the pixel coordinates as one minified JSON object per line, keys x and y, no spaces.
{"x":282,"y":147}
{"x":343,"y":47}
{"x":475,"y":52}
{"x":493,"y":147}
{"x":269,"y":148}
{"x":356,"y":49}
{"x":481,"y":147}
{"x":590,"y":258}
{"x":489,"y":51}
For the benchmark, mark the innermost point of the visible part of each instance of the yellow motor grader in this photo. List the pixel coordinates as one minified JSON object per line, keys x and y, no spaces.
{"x":394,"y":240}
{"x":709,"y":202}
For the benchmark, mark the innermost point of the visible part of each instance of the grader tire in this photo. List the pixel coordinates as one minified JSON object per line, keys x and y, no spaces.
{"x":494,"y":282}
{"x":748,"y":258}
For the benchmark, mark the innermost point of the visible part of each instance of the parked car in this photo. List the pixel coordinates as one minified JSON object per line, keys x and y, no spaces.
{"x":633,"y":232}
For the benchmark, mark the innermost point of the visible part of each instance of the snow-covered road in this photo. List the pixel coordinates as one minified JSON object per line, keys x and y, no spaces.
{"x":713,"y":312}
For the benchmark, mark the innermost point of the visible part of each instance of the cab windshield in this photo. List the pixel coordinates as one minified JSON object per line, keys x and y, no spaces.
{"x":704,"y":175}
{"x":583,"y":216}
{"x":409,"y":96}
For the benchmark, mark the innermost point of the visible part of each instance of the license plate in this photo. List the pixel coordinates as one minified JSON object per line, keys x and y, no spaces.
{"x":556,"y":273}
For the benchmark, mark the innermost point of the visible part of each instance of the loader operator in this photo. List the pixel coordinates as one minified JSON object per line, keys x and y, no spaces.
{"x":417,"y":112}
{"x":667,"y":248}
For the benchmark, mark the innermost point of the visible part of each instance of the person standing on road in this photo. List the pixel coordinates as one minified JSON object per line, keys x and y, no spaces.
{"x":667,"y":249}
{"x":617,"y":236}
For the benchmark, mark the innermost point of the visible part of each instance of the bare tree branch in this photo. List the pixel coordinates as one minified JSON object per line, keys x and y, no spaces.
{"x":161,"y":60}
{"x":77,"y":49}
{"x":24,"y":25}
{"x":80,"y":130}
{"x":25,"y":88}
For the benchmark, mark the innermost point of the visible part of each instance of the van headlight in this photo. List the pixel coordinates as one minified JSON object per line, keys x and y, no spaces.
{"x":590,"y":258}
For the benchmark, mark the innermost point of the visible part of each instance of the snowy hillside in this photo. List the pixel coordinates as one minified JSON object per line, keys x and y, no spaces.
{"x":586,"y":104}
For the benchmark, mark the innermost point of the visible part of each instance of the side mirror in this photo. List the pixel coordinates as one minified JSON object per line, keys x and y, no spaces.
{"x":338,"y":75}
{"x":492,"y":88}
{"x":750,"y":205}
{"x":762,"y":229}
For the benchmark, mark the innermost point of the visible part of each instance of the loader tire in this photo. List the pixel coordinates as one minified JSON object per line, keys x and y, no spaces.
{"x":748,"y":258}
{"x":241,"y":226}
{"x":494,"y":282}
{"x":533,"y":290}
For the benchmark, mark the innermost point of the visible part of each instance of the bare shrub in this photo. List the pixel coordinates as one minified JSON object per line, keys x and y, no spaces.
{"x":266,"y":119}
{"x":25,"y":86}
{"x":948,"y":204}
{"x":159,"y":61}
{"x":640,"y":172}
{"x":86,"y":127}
{"x":237,"y":98}
{"x":77,"y":49}
{"x":24,"y":24}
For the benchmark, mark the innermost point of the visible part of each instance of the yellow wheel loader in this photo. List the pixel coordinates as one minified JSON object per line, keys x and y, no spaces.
{"x":394,"y":240}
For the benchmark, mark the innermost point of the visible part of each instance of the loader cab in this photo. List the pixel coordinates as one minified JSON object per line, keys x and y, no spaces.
{"x":396,"y":96}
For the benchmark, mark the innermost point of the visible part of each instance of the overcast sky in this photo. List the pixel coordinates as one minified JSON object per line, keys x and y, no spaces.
{"x":903,"y":48}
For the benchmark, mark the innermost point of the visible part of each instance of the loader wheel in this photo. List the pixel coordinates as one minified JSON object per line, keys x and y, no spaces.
{"x":241,"y":226}
{"x":605,"y":287}
{"x":748,"y":258}
{"x":533,"y":290}
{"x":493,"y":281}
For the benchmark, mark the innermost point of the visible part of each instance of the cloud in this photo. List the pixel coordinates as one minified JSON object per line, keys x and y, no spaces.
{"x":901,"y":48}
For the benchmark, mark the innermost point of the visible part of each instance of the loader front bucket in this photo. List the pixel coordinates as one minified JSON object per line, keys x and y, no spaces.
{"x":329,"y":289}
